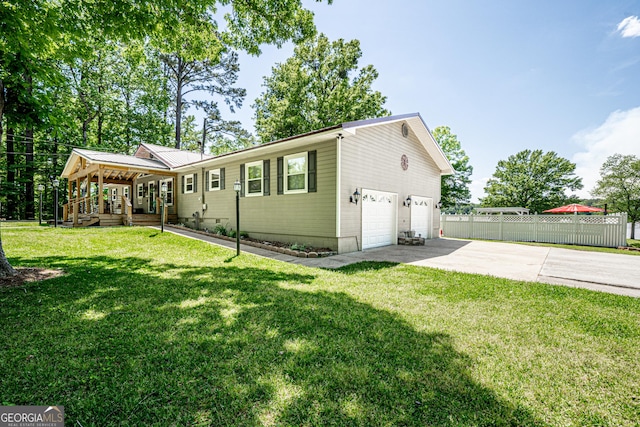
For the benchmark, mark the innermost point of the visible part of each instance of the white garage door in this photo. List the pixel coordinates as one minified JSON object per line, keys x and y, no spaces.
{"x":379,"y":223}
{"x":421,"y":219}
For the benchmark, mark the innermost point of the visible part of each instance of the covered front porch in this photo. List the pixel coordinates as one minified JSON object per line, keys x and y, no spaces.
{"x":100,"y":187}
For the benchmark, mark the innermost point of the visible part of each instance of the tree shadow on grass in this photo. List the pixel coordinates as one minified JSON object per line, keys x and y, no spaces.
{"x":364,"y":266}
{"x":225,"y":345}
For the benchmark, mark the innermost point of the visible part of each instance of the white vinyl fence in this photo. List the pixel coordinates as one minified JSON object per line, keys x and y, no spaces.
{"x":587,"y":230}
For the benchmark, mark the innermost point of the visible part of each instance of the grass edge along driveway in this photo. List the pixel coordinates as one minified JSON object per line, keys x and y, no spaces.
{"x":155,"y":329}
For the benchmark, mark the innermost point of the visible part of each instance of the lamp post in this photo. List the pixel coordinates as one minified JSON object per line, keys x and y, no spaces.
{"x":56,"y":183}
{"x":40,"y":189}
{"x":163,"y":193}
{"x":236,"y":187}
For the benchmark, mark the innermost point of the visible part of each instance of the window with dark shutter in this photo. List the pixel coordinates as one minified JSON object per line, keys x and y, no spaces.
{"x":280,"y":167}
{"x":242,"y":180}
{"x":312,"y":187}
{"x":206,"y":181}
{"x":195,"y":182}
{"x":222,"y":178}
{"x":266,"y":178}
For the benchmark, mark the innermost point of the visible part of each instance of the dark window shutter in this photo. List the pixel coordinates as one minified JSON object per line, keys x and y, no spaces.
{"x":242,"y":180}
{"x":206,"y":181}
{"x":181,"y":187}
{"x":195,"y":182}
{"x":222,"y":178}
{"x":280,"y":175}
{"x":266,"y":177}
{"x":312,"y":187}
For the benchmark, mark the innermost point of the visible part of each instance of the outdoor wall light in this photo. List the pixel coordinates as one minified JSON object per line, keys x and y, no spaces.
{"x":237,"y":186}
{"x":439,"y":204}
{"x":56,"y":183}
{"x":407,"y":202}
{"x":355,"y":197}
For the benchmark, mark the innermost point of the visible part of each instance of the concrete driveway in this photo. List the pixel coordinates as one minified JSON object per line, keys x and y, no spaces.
{"x":613,"y":273}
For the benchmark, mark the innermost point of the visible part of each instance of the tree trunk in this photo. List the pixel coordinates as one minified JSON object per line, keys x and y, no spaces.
{"x":178,"y":102}
{"x":10,"y":185}
{"x":30,"y":174}
{"x":100,"y":121}
{"x":178,"y":115}
{"x":633,"y":230}
{"x":5,"y":268}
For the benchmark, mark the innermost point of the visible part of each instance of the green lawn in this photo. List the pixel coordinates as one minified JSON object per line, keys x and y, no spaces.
{"x":630,"y":243}
{"x":156,"y":329}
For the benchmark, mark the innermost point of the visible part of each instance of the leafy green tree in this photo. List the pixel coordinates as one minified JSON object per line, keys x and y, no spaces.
{"x":38,"y":36}
{"x":533,"y":180}
{"x":319,"y":86}
{"x":213,"y":77}
{"x":619,"y":186}
{"x":454,"y":188}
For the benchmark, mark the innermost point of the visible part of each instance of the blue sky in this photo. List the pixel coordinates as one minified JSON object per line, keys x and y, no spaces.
{"x":503,"y":75}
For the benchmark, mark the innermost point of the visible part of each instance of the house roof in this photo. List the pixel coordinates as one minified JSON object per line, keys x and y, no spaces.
{"x":173,"y":157}
{"x":112,"y":167}
{"x":414,"y":120}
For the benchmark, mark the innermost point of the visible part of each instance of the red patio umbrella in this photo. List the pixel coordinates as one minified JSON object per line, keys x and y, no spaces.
{"x":573,"y":208}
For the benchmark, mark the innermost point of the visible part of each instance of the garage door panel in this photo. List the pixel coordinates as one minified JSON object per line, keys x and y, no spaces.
{"x":421,"y":215}
{"x":378,"y":218}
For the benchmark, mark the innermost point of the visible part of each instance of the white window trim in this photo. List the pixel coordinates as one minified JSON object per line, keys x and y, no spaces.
{"x":211,"y":173}
{"x":172,"y":191}
{"x":186,"y":185}
{"x":125,"y":192}
{"x":286,"y":173}
{"x":140,"y":192}
{"x":246,"y":178}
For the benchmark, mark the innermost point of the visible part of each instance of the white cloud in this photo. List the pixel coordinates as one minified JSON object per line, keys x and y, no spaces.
{"x":477,"y":188}
{"x":629,"y":27}
{"x":620,"y":133}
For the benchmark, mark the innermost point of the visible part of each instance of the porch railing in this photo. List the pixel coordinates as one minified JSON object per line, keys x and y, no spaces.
{"x":79,"y":206}
{"x":128,"y":210}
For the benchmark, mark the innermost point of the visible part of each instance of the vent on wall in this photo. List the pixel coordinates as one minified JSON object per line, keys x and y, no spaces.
{"x":405,"y":130}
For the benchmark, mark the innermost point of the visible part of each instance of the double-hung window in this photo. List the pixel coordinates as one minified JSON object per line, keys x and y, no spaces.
{"x":140,"y":192}
{"x":214,"y":180}
{"x":188,"y":184}
{"x":169,"y":196}
{"x":254,"y":178}
{"x":296,"y":170}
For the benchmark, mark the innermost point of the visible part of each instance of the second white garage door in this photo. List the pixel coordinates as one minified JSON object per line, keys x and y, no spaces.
{"x":379,"y":223}
{"x":421,"y":218}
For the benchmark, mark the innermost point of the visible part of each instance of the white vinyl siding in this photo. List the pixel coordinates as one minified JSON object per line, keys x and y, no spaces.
{"x":372,"y":159}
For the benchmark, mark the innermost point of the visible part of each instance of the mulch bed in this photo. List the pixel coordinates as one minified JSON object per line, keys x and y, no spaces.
{"x":27,"y":275}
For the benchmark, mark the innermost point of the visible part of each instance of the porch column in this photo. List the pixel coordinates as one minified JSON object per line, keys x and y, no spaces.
{"x":100,"y":196}
{"x":89,"y":202}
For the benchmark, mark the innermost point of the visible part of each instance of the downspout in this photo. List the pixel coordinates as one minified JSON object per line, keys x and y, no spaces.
{"x":338,"y":181}
{"x":202,"y":192}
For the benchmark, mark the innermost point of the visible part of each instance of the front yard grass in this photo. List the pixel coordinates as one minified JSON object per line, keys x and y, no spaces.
{"x":155,"y":329}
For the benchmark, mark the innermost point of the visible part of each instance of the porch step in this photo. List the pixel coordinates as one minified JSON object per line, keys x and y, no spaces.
{"x":86,"y":221}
